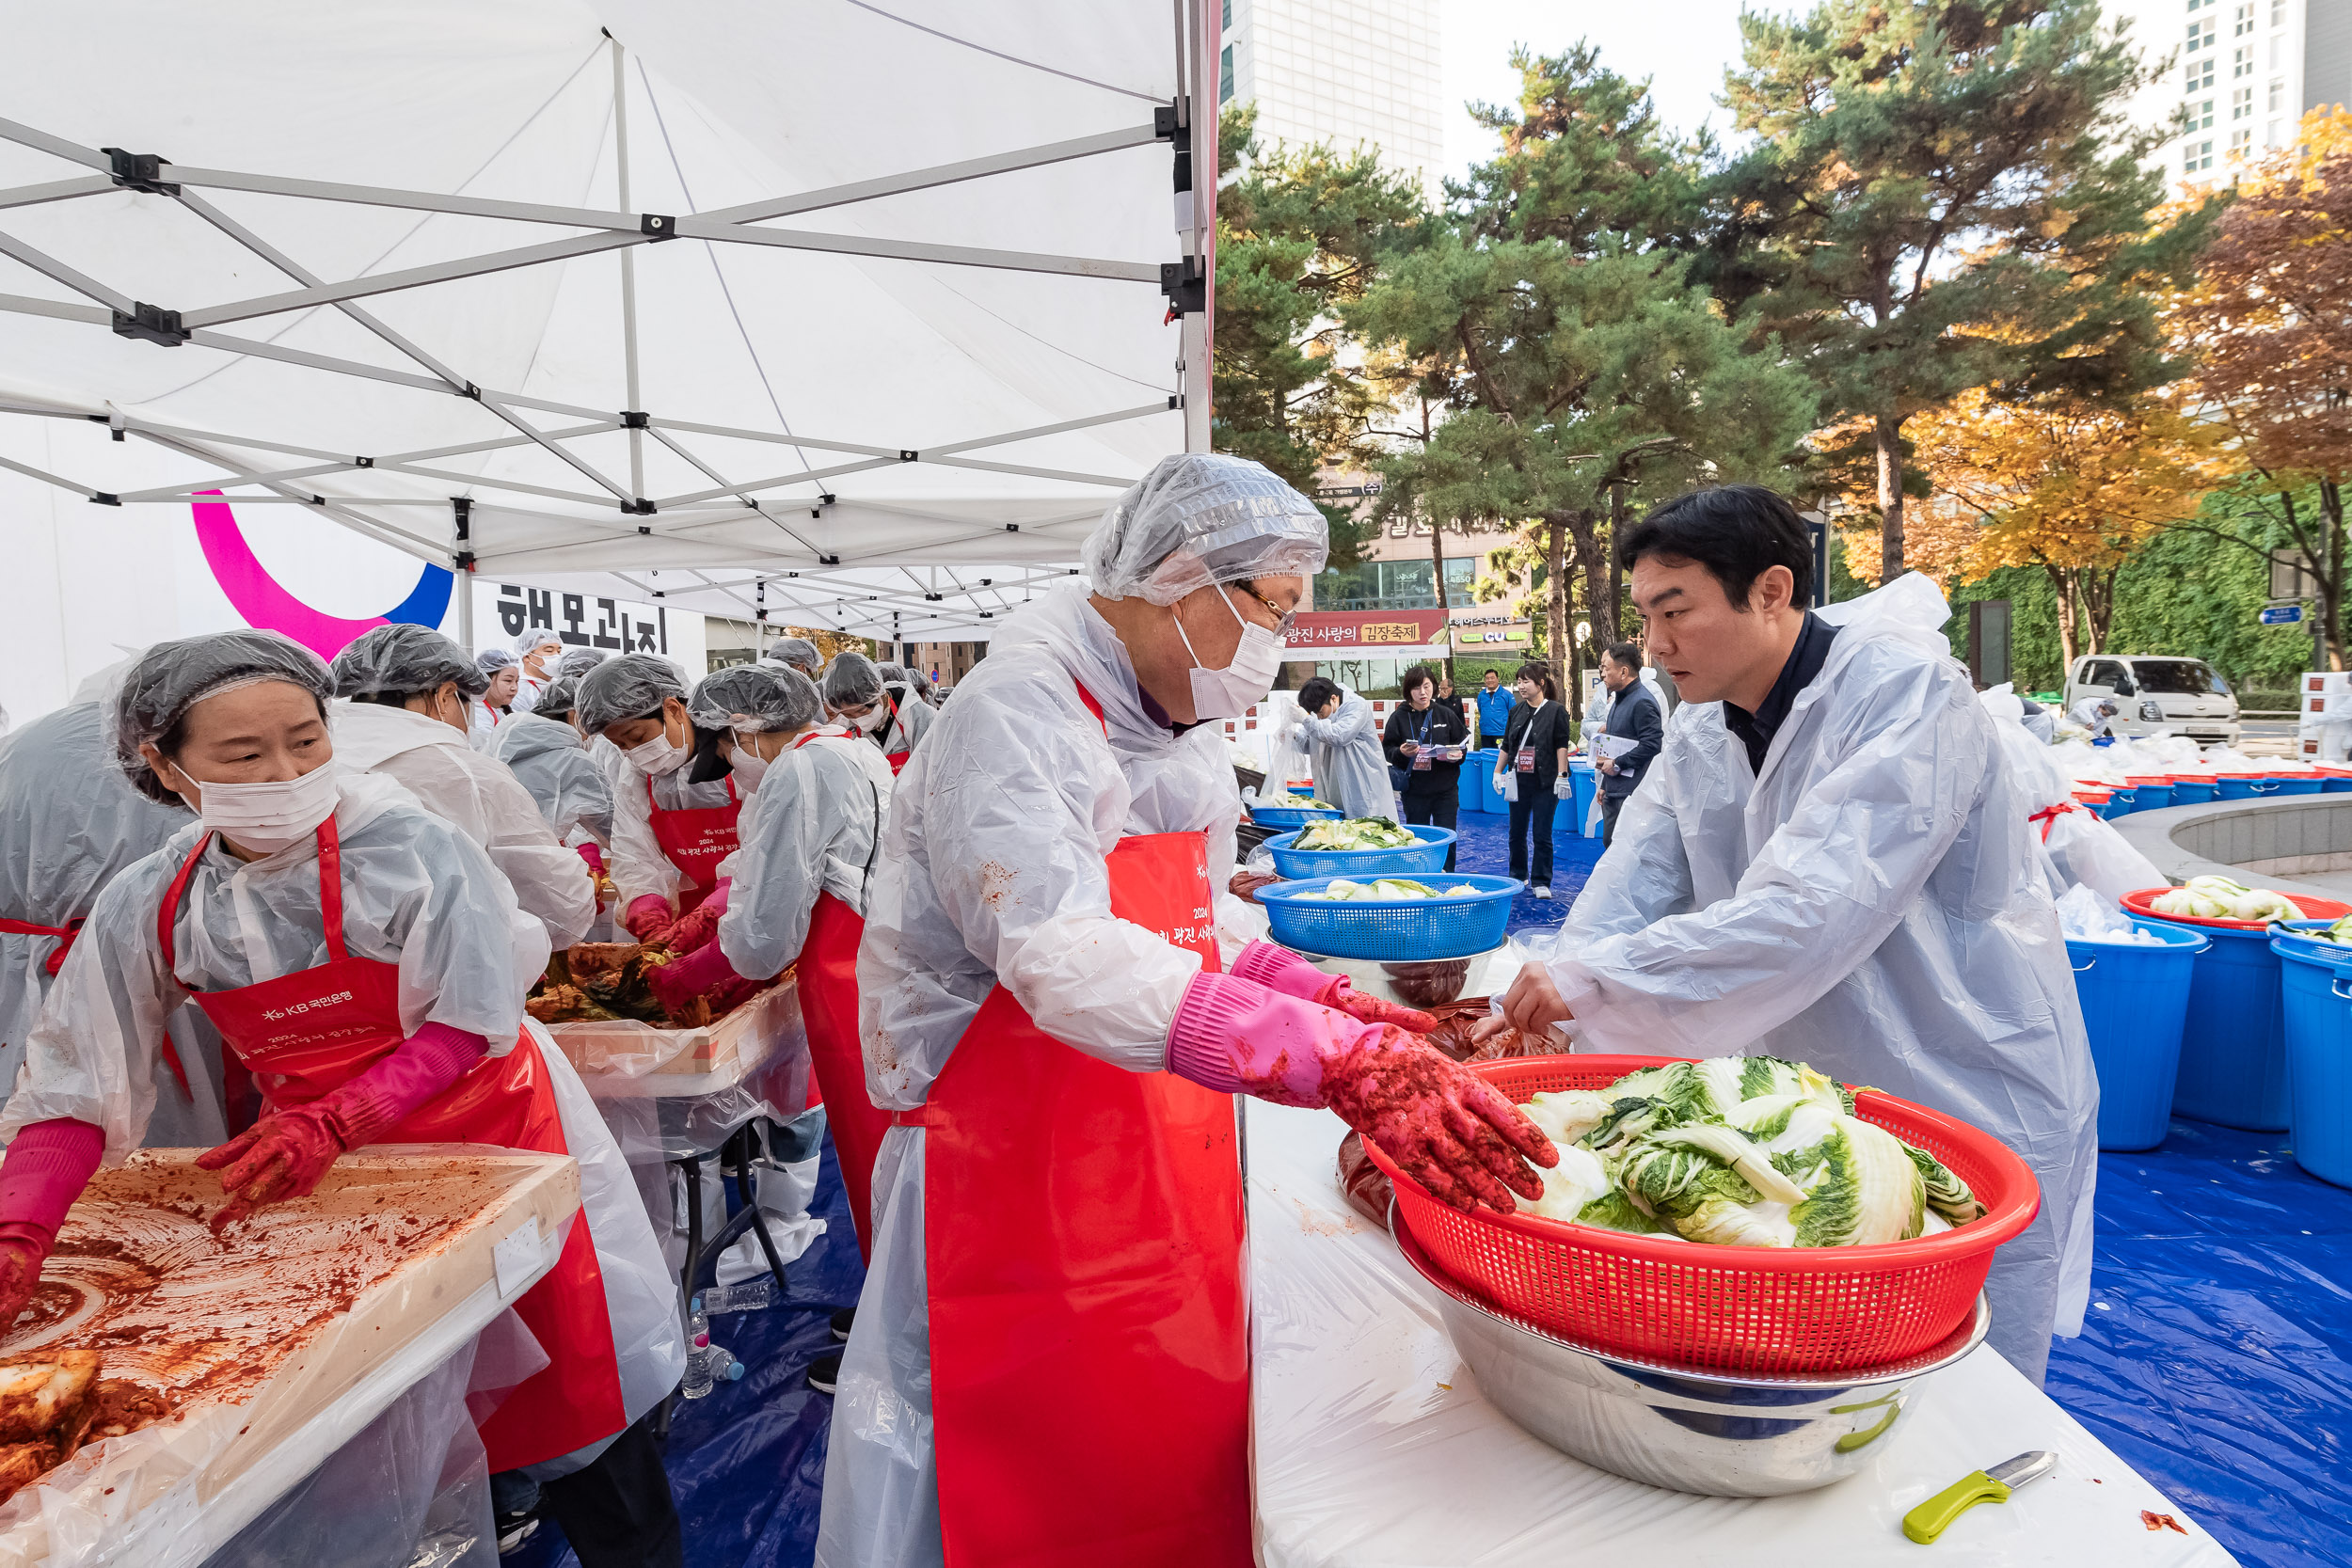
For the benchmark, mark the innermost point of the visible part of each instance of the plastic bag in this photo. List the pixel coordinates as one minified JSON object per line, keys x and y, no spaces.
{"x":2086,"y":915}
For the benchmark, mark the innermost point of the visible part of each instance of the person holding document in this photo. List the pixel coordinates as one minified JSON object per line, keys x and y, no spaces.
{"x":1632,"y":735}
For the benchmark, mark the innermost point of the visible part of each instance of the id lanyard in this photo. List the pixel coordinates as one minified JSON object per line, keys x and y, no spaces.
{"x":1420,"y":740}
{"x":1526,"y":760}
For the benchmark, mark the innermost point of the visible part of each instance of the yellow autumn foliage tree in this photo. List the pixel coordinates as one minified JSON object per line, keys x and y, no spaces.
{"x":2068,"y":486}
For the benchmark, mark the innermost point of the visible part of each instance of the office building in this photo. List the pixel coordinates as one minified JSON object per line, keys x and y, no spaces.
{"x":2242,"y":74}
{"x":1344,"y":72}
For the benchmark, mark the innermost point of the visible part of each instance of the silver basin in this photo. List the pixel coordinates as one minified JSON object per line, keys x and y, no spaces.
{"x":1717,"y":1434}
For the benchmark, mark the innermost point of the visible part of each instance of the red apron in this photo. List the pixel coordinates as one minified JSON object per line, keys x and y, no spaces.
{"x":1089,"y":1309}
{"x":305,"y":1034}
{"x":696,"y":839}
{"x":827,"y":975}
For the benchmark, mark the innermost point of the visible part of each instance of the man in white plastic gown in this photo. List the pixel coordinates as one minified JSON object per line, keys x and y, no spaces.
{"x":1831,"y":863}
{"x":407,"y":692}
{"x":1343,"y":743}
{"x":68,"y":823}
{"x":1051,"y":1347}
{"x":2096,"y":714}
{"x":550,"y":758}
{"x":536,"y":651}
{"x":400,"y":1022}
{"x":795,"y":653}
{"x":858,"y":695}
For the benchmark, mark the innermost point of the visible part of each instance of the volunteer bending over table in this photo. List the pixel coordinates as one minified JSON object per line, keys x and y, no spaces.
{"x":1051,"y":1358}
{"x":796,"y":652}
{"x":1830,"y":862}
{"x":365,"y":960}
{"x":408,"y":687}
{"x":675,"y":800}
{"x":796,"y":889}
{"x":68,"y":823}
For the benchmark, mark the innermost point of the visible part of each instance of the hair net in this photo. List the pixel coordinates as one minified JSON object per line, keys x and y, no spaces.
{"x":892,"y":674}
{"x":491,"y":661}
{"x":405,"y":659}
{"x":579,"y":661}
{"x":537,"y":638}
{"x":851,"y":681}
{"x":1197,"y":520}
{"x":560,"y":698}
{"x":756,"y":698}
{"x":172,"y":677}
{"x":798,"y":652}
{"x":629,"y":687}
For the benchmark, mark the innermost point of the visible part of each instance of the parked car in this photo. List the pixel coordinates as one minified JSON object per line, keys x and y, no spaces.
{"x":2155,"y":691}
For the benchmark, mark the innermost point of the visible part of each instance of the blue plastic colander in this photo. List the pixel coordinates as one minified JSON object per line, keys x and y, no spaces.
{"x":1405,"y":859}
{"x":1293,"y":816}
{"x":1397,"y":930}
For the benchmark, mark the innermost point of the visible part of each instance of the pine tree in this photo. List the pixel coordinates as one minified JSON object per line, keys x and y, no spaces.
{"x":1942,"y":197}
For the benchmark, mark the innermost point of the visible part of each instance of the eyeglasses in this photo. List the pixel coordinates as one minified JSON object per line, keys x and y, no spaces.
{"x":1284,"y":619}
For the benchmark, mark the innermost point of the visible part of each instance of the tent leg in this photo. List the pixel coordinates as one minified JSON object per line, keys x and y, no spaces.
{"x":1195,"y":326}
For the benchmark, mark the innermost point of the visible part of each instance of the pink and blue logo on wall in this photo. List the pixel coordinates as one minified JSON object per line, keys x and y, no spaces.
{"x":265,"y":603}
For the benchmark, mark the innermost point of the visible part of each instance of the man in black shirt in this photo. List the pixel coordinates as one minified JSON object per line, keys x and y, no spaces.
{"x":1633,"y":716}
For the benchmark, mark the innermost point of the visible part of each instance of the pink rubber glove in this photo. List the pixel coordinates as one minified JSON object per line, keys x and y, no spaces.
{"x":1277,"y":968}
{"x":682,"y":979}
{"x":48,"y":1164}
{"x":287,"y":1152}
{"x":649,"y":918}
{"x":1444,"y":1124}
{"x":693,"y":930}
{"x":594,"y":855}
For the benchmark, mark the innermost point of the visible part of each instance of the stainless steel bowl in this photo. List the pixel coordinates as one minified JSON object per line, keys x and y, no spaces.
{"x":1718,"y":1435}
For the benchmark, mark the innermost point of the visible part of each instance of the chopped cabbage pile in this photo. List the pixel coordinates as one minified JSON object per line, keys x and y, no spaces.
{"x":1357,"y":832}
{"x":1296,"y":802}
{"x":1340,"y":890}
{"x":2340,"y":932}
{"x":1739,"y":1151}
{"x":2219,"y":898}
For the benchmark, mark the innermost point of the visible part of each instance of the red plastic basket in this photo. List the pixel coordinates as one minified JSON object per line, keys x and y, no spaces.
{"x":2142,"y":902}
{"x":1729,"y":1308}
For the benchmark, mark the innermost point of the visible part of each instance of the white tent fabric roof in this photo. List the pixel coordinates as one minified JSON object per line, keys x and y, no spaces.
{"x":877,"y":285}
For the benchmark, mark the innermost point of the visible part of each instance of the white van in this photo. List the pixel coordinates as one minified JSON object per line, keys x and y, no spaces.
{"x":2154,"y":692}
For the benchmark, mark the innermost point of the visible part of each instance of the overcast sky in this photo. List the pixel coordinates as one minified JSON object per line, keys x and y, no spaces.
{"x":1682,"y":45}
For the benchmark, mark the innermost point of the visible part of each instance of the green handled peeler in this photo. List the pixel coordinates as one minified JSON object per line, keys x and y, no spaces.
{"x":1934,"y":1516}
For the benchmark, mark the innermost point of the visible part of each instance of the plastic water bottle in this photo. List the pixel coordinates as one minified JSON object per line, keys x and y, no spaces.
{"x":755,"y":1295}
{"x":698,"y":1377}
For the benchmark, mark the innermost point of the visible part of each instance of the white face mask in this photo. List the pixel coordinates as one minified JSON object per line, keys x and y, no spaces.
{"x":657,"y":756}
{"x":270,"y":816}
{"x":749,"y":768}
{"x":867,"y":723}
{"x":1230,"y":692}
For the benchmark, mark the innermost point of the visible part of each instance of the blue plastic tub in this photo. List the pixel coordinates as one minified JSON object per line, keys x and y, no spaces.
{"x":2135,"y":1000}
{"x":2151,"y":796}
{"x":2195,"y":792}
{"x":2233,"y":1053}
{"x":2315,"y":993}
{"x":2241,"y":788}
{"x":2119,"y":803}
{"x":1571,"y":817}
{"x":1394,"y":930}
{"x":2335,"y":783}
{"x":1291,"y":816}
{"x":1405,"y":859}
{"x":2309,"y":783}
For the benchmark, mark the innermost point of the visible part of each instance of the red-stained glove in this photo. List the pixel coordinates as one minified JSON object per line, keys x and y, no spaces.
{"x":693,"y":929}
{"x":682,"y":979}
{"x":1280,"y":969}
{"x":1444,"y":1124}
{"x":24,"y":1248}
{"x":649,"y":918}
{"x":594,"y":855}
{"x":287,"y":1152}
{"x":48,"y":1164}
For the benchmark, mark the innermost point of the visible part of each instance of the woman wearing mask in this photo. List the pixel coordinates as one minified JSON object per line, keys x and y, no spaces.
{"x":674,"y":801}
{"x":859,"y":696}
{"x":365,"y":961}
{"x":1057,"y":1239}
{"x":405,"y":719}
{"x":796,"y":889}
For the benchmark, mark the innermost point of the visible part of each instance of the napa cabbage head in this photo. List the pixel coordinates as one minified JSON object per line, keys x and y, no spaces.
{"x":1861,"y":1189}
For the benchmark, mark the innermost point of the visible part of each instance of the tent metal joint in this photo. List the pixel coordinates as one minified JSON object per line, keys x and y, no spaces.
{"x":640,"y":507}
{"x":139,"y":172}
{"x":635,"y":419}
{"x":658,"y":226}
{"x":151,"y":323}
{"x":1185,"y":286}
{"x":909,"y":455}
{"x":105,"y":498}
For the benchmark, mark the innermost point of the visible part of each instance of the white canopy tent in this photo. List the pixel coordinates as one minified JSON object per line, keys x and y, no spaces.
{"x":857,"y":314}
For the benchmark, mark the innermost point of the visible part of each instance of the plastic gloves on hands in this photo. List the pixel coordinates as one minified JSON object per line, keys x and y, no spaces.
{"x":691,"y":931}
{"x":1565,"y":787}
{"x":1279,"y":969}
{"x":24,"y":1248}
{"x":649,"y":918}
{"x":287,"y":1152}
{"x":48,"y":1164}
{"x":696,"y":973}
{"x":1445,"y":1126}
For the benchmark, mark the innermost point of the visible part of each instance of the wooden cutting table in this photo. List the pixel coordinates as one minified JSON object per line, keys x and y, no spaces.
{"x":1374,"y":1448}
{"x":277,"y":1343}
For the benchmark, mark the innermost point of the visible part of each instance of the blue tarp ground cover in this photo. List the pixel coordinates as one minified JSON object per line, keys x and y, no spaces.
{"x":2216,"y":1360}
